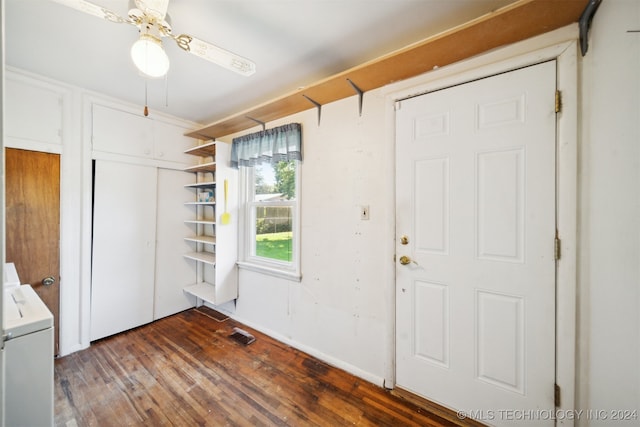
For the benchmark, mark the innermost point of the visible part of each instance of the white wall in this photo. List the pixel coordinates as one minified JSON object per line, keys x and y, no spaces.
{"x":609,"y":216}
{"x":340,"y":310}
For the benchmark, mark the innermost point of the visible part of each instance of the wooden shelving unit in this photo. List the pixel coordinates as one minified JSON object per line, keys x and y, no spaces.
{"x":209,"y":240}
{"x":204,"y":168}
{"x":205,"y":257}
{"x":204,"y":291}
{"x":200,"y":203}
{"x":204,"y":150}
{"x":518,"y":21}
{"x":206,"y":184}
{"x":203,"y":221}
{"x":214,"y":284}
{"x":200,"y":221}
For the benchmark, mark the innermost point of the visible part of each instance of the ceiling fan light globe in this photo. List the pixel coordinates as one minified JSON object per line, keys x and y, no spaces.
{"x":149,"y":57}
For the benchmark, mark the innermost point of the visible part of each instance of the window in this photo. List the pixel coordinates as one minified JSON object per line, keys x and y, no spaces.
{"x":270,"y":179}
{"x":271,"y":218}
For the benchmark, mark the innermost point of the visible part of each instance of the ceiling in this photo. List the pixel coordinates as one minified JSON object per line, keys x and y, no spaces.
{"x":294,"y":43}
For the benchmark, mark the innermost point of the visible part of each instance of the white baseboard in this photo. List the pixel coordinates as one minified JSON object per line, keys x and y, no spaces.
{"x":335,"y":362}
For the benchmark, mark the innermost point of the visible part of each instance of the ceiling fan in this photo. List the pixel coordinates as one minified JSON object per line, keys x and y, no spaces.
{"x":150,"y":16}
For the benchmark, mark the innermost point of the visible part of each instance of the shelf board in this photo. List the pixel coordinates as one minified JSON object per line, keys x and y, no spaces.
{"x":206,"y":257}
{"x":209,"y":184}
{"x":209,"y":240}
{"x":204,"y":167}
{"x":200,"y":221}
{"x":199,"y":203}
{"x":515,"y":22}
{"x":204,"y":150}
{"x":203,"y":290}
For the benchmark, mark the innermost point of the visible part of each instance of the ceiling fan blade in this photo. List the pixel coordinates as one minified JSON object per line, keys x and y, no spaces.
{"x":154,"y":8}
{"x":215,"y":54}
{"x":93,"y":9}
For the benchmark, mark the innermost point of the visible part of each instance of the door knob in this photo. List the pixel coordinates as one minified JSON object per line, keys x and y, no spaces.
{"x":48,"y":281}
{"x":405,"y":260}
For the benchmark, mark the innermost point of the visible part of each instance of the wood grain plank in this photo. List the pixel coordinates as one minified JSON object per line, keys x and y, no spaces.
{"x":515,"y":22}
{"x":185,"y":370}
{"x":33,"y":223}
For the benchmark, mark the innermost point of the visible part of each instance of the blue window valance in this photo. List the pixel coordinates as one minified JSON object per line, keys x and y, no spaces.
{"x":274,"y":145}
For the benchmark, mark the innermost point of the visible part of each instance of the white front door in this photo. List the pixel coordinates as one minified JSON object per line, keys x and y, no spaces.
{"x":475,"y":212}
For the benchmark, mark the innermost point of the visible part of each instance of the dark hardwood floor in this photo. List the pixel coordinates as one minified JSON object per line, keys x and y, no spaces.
{"x":185,"y":370}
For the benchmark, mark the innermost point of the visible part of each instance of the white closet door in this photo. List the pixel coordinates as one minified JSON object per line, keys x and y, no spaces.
{"x":119,"y":132}
{"x":28,"y":103}
{"x":124,"y":228}
{"x":173,"y":271}
{"x":170,"y":143}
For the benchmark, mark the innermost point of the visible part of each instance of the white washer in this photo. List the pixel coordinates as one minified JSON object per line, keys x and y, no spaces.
{"x":28,"y":326}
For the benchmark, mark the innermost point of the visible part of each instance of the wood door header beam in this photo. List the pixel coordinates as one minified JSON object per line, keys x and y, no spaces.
{"x":518,"y":21}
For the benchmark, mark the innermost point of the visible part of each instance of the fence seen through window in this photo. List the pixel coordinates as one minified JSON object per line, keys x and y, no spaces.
{"x":274,"y":201}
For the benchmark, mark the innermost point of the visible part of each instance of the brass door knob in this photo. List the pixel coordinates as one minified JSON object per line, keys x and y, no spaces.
{"x":48,"y":281}
{"x":404,"y":260}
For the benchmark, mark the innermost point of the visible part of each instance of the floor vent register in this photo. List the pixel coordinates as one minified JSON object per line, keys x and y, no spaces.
{"x":242,"y":336}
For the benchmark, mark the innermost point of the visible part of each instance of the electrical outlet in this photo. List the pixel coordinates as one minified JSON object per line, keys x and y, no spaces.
{"x":364,"y":212}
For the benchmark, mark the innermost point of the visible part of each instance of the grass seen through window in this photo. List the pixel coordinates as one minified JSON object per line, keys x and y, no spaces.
{"x":275,"y":245}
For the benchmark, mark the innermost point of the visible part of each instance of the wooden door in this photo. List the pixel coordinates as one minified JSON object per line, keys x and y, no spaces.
{"x":475,"y":299}
{"x":33,"y":223}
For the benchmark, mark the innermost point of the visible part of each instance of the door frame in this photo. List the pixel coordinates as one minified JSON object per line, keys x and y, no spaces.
{"x":69,"y":149}
{"x":52,"y":296}
{"x":562,"y":46}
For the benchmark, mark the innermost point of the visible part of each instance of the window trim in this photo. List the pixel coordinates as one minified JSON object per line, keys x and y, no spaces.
{"x":285,"y":270}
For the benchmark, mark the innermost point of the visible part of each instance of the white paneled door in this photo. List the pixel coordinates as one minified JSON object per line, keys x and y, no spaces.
{"x":475,"y":275}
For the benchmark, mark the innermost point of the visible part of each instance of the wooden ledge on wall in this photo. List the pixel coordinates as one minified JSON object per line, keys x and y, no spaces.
{"x":518,"y":21}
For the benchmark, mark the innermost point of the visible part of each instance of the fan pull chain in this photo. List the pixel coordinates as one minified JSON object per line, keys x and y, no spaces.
{"x":166,"y":90}
{"x":146,"y":109}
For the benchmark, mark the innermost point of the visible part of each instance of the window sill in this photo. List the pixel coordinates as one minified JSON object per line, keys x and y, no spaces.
{"x":282,"y":274}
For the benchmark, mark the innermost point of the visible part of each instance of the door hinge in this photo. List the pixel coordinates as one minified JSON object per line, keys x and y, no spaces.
{"x":558,"y":101}
{"x":556,"y":395}
{"x":557,"y":248}
{"x":397,"y":105}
